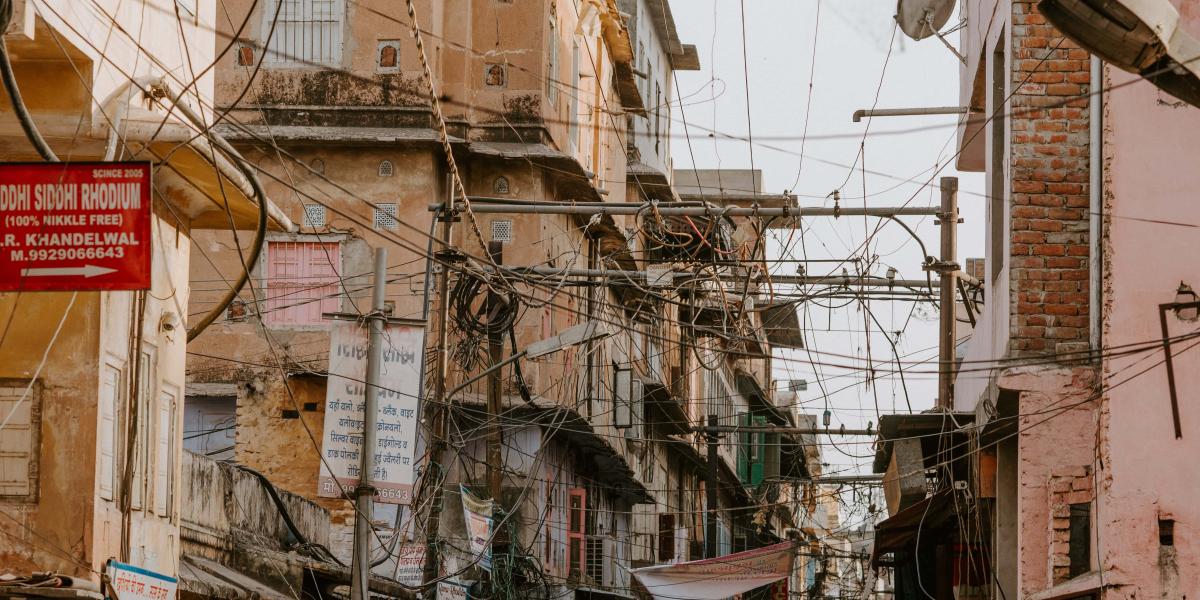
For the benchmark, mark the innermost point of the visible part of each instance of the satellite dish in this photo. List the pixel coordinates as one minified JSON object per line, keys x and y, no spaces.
{"x":920,"y":19}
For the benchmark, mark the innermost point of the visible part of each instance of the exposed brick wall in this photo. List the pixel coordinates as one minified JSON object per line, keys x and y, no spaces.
{"x":1049,"y":208}
{"x":1070,"y":488}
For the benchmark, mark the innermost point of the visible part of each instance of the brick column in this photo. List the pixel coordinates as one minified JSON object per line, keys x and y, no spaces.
{"x":1049,"y":205}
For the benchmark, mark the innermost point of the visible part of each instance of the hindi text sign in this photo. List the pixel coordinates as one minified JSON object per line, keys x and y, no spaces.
{"x":345,"y":403}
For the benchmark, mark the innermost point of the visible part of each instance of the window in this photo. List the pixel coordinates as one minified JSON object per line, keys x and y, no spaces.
{"x":164,"y":452}
{"x":657,"y":117}
{"x":147,"y":381}
{"x":388,"y":56}
{"x":573,"y":120}
{"x":19,"y":406}
{"x":576,"y":530}
{"x":998,"y":203}
{"x":386,"y":168}
{"x":751,"y":450}
{"x":552,"y":63}
{"x":1080,"y":552}
{"x":110,"y":428}
{"x":666,"y":537}
{"x":302,"y":282}
{"x":623,"y":398}
{"x":385,"y":216}
{"x":502,"y":230}
{"x":314,"y":215}
{"x":307,"y":32}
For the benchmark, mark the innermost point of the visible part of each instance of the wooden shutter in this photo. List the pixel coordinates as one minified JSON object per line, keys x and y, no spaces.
{"x":576,"y":528}
{"x":666,"y":537}
{"x":302,"y":282}
{"x":758,"y":451}
{"x":743,"y":449}
{"x":110,"y":385}
{"x":164,"y":453}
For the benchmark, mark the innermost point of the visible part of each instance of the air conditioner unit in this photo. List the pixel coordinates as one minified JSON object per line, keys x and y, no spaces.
{"x":1146,"y":37}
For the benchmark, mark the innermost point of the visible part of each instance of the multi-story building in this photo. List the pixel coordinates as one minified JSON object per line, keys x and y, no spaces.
{"x":91,"y":381}
{"x":1068,"y":481}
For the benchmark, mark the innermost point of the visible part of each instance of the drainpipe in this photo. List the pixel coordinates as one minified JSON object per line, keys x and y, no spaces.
{"x":1095,"y":202}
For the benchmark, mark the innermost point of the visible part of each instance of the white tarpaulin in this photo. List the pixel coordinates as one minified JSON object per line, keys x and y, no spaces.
{"x":717,"y":578}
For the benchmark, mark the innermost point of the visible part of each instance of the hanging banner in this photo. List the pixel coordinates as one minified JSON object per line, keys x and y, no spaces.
{"x":718,"y":578}
{"x":345,"y":405}
{"x":136,"y":583}
{"x":75,"y":226}
{"x":478,"y":516}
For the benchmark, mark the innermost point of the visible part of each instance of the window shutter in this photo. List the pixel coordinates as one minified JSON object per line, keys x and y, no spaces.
{"x":666,"y":537}
{"x":164,"y":454}
{"x":19,"y":401}
{"x":302,"y":282}
{"x":743,"y":449}
{"x":576,"y":527}
{"x":758,"y":451}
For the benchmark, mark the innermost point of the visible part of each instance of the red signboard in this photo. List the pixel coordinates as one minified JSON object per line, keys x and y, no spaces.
{"x":75,"y":226}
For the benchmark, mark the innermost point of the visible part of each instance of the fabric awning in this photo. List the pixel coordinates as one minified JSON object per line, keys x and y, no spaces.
{"x":717,"y":578}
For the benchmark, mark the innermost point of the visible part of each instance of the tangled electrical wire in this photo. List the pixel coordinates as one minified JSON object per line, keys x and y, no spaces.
{"x":479,"y":310}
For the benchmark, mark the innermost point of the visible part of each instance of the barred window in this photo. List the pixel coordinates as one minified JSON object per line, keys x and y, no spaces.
{"x":385,"y":216}
{"x":306,"y":31}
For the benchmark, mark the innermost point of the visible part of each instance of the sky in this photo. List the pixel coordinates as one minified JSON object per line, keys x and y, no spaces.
{"x":853,"y":69}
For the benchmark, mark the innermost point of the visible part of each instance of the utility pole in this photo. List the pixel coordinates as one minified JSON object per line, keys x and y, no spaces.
{"x":495,"y":467}
{"x":438,"y":421}
{"x":710,"y":491}
{"x":364,"y":491}
{"x":946,"y":268}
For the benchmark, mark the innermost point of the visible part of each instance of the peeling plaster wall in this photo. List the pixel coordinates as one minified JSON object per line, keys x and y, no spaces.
{"x":69,"y":512}
{"x":1149,"y":140}
{"x":1057,"y":439}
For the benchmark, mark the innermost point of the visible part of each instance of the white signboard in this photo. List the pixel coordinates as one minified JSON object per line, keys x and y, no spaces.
{"x":396,"y":422}
{"x":450,"y":590}
{"x":136,"y":583}
{"x":410,"y":565}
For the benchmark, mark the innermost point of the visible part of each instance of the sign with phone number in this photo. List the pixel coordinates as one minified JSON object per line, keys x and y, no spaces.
{"x":75,"y":226}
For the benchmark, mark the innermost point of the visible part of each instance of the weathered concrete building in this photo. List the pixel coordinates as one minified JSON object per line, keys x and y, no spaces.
{"x":91,"y":398}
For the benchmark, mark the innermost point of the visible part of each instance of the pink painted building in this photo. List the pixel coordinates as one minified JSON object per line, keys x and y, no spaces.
{"x":1075,"y":474}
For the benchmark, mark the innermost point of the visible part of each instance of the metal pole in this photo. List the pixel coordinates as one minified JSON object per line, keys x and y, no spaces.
{"x":694,"y":211}
{"x":364,"y":491}
{"x":947,"y":337}
{"x":592,"y":257}
{"x":788,"y":430}
{"x":438,"y":423}
{"x":712,"y":499}
{"x":909,"y":112}
{"x":675,"y":277}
